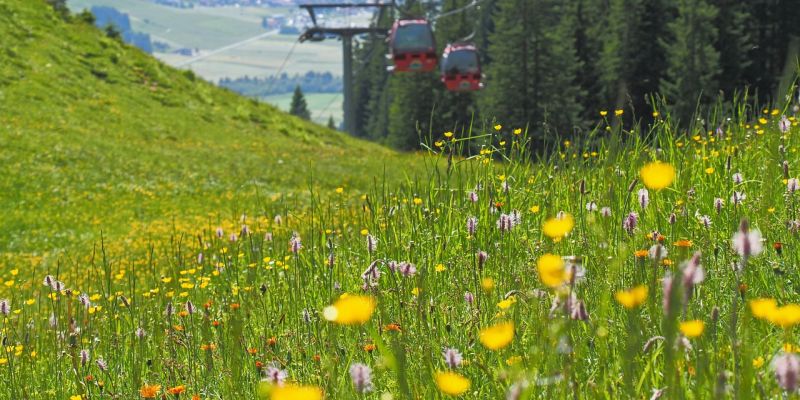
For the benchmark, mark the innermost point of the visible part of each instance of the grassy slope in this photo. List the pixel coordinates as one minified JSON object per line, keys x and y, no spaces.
{"x":96,"y":136}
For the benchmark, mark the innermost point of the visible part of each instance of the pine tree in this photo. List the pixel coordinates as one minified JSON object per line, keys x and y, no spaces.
{"x":331,"y":123}
{"x":299,"y":107}
{"x":590,"y":20}
{"x":371,"y":84}
{"x":734,"y":42}
{"x":633,"y":61}
{"x":532,"y":76}
{"x":772,"y":25}
{"x":693,"y":60}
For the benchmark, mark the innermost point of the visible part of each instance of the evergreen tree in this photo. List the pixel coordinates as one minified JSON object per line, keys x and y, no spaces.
{"x":693,"y":60}
{"x":371,"y":84}
{"x":774,"y":30}
{"x":733,"y":44}
{"x":532,"y":76}
{"x":590,"y":20}
{"x":299,"y":107}
{"x":633,"y":60}
{"x":331,"y":122}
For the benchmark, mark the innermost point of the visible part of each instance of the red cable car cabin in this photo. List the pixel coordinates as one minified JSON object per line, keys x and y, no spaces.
{"x":412,"y":46}
{"x":461,"y":68}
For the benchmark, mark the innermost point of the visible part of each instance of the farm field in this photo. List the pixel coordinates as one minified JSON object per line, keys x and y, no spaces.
{"x":321,"y":105}
{"x":163,"y":238}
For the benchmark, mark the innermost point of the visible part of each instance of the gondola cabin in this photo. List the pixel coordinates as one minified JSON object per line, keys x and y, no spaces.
{"x":461,"y":68}
{"x":412,"y":46}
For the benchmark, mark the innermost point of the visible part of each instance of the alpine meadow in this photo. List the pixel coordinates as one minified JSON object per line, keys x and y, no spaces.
{"x":579,"y":212}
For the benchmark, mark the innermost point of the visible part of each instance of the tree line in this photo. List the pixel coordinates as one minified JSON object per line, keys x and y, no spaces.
{"x":552,"y":65}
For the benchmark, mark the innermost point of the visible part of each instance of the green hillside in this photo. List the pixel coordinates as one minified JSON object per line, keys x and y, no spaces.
{"x":97,"y":136}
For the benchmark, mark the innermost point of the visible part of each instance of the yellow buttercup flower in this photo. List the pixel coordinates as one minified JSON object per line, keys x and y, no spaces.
{"x":632,"y":298}
{"x":497,"y":336}
{"x":557,"y":228}
{"x":692,"y":329}
{"x":657,"y":175}
{"x":296,"y":392}
{"x":786,"y":316}
{"x":763,"y":308}
{"x":451,"y":383}
{"x":350,"y":310}
{"x":551,"y":270}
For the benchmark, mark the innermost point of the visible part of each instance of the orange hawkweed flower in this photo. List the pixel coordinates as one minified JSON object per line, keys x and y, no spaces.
{"x":176,"y":390}
{"x":149,"y":391}
{"x":392,"y":327}
{"x":369,"y":348}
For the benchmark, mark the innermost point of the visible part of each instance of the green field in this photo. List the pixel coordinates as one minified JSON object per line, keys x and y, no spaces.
{"x":210,"y":28}
{"x":161,"y":238}
{"x":321,"y":105}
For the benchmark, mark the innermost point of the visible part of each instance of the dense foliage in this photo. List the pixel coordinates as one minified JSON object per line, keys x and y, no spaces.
{"x":553,"y":65}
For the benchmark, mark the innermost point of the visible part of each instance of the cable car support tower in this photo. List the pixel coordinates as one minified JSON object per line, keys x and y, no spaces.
{"x":318,"y":33}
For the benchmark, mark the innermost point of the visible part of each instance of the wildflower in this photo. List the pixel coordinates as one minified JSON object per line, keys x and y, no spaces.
{"x":452,"y":357}
{"x":644,"y":198}
{"x":657,"y":252}
{"x":591,"y":206}
{"x":473,"y":197}
{"x":747,"y":242}
{"x":737,"y":178}
{"x":630,"y":221}
{"x":792,"y":185}
{"x":407,"y":269}
{"x":140,"y":333}
{"x":372,"y":243}
{"x":101,"y":363}
{"x":784,"y":124}
{"x":704,"y":220}
{"x":763,"y":308}
{"x":551,"y":270}
{"x":295,"y":243}
{"x":605,"y":212}
{"x":578,"y":311}
{"x":786,"y":316}
{"x":558,"y":227}
{"x":362,"y":377}
{"x":632,"y":298}
{"x":472,"y":226}
{"x":482,"y":257}
{"x":505,"y":222}
{"x":619,"y":113}
{"x":657,"y":175}
{"x":497,"y":336}
{"x":758,"y":362}
{"x":189,"y":306}
{"x":718,"y":203}
{"x":219,"y":232}
{"x":84,"y":354}
{"x":787,"y":371}
{"x":295,"y":392}
{"x":176,"y":390}
{"x":737,"y":198}
{"x":451,"y":383}
{"x":692,"y":329}
{"x":149,"y":391}
{"x":350,"y":310}
{"x":693,"y":273}
{"x":5,"y":307}
{"x":469,"y":298}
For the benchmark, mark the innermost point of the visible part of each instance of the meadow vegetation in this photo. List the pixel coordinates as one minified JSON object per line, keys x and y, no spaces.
{"x":247,"y":254}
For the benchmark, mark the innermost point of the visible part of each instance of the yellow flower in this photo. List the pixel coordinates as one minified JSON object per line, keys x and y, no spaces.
{"x":76,"y":397}
{"x":632,"y":298}
{"x":557,"y":228}
{"x":692,"y":329}
{"x":763,"y":308}
{"x":440,"y":268}
{"x":498,"y":127}
{"x":513,"y":360}
{"x":364,"y":232}
{"x":534,"y":209}
{"x":340,"y":190}
{"x":603,"y":113}
{"x":497,"y":336}
{"x":350,"y":310}
{"x":517,"y":131}
{"x":786,"y":316}
{"x":619,"y":112}
{"x":758,"y":362}
{"x":417,"y":201}
{"x":551,"y":270}
{"x":506,"y":303}
{"x":448,"y":134}
{"x":296,"y":392}
{"x":710,"y":170}
{"x":657,"y":175}
{"x":451,"y":383}
{"x":487,"y":284}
